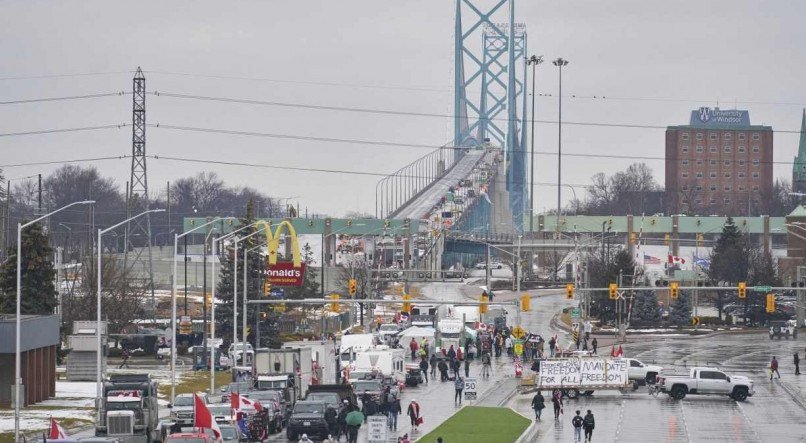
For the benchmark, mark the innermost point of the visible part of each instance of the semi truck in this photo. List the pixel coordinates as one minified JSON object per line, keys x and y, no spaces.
{"x":129,"y":409}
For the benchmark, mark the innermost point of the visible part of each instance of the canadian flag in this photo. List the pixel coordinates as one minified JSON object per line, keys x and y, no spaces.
{"x":616,"y":353}
{"x":204,"y":419}
{"x":56,"y":431}
{"x":238,"y":403}
{"x":676,"y":259}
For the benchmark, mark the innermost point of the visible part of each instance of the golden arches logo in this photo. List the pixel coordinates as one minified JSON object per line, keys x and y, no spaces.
{"x":273,"y":241}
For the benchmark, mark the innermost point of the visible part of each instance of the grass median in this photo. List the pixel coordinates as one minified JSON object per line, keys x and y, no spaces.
{"x":476,"y":424}
{"x":198,"y":381}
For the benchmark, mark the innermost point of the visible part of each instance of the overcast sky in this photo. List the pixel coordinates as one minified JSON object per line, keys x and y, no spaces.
{"x":654,"y":60}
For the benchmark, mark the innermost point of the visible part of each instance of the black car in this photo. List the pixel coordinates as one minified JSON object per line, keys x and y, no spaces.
{"x":308,"y":417}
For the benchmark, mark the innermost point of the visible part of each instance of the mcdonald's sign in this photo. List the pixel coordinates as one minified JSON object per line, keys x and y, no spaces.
{"x":283,"y":273}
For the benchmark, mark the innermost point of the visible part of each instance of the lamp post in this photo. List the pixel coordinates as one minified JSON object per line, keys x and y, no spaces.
{"x":18,"y":356}
{"x":533,"y":61}
{"x":560,"y":62}
{"x":99,"y":348}
{"x":235,"y":290}
{"x":173,"y":301}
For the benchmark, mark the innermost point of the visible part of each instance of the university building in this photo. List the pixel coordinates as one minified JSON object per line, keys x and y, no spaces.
{"x":718,"y":164}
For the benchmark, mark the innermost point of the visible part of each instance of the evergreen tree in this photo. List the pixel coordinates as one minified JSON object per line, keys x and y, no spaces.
{"x":605,"y":270}
{"x":38,"y":274}
{"x":680,"y":314}
{"x":224,"y":288}
{"x":646,"y":307}
{"x":730,"y":261}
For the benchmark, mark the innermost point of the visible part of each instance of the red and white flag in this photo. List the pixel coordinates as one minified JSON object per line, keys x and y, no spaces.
{"x":56,"y":430}
{"x":676,"y":259}
{"x":204,"y":419}
{"x":239,"y":403}
{"x":619,"y":352}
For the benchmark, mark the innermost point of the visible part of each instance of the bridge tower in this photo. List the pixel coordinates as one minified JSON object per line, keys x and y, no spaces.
{"x":497,"y":115}
{"x":138,"y":231}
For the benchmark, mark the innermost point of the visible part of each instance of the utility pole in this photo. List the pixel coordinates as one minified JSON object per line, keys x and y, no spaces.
{"x":534,"y":61}
{"x":559,"y":63}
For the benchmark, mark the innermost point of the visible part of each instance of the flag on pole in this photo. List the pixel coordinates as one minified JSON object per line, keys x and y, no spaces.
{"x":56,"y":430}
{"x":650,"y":260}
{"x":676,"y":259}
{"x":202,"y":418}
{"x":239,"y":403}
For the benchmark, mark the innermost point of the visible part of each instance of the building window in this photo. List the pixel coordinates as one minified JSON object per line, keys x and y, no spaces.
{"x":685,"y":162}
{"x":727,"y":175}
{"x":713,"y":175}
{"x":726,"y":162}
{"x":685,"y":149}
{"x":713,"y":162}
{"x":713,"y":136}
{"x":685,"y":175}
{"x":741,"y":162}
{"x":755,"y":187}
{"x":755,"y":162}
{"x":741,"y":188}
{"x":685,"y":136}
{"x":727,"y":188}
{"x":713,"y":200}
{"x":699,"y":175}
{"x":727,"y":136}
{"x":698,"y":188}
{"x":699,"y":136}
{"x":755,"y":148}
{"x":713,"y":187}
{"x":700,"y":149}
{"x":741,"y":175}
{"x":756,"y":136}
{"x":728,"y":149}
{"x":699,"y":162}
{"x":742,"y":149}
{"x":712,"y":149}
{"x":741,"y":136}
{"x":685,"y":187}
{"x":727,"y":200}
{"x":755,"y":175}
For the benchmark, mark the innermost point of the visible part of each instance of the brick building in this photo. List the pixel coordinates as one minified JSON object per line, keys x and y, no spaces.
{"x":718,"y":164}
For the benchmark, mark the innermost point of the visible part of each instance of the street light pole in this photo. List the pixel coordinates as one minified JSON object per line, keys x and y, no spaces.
{"x":99,"y":349}
{"x":560,"y":62}
{"x":534,"y":61}
{"x":18,"y":351}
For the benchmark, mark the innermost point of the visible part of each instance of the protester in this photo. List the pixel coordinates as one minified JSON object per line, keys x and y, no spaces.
{"x":392,"y":411}
{"x":594,"y":344}
{"x":433,"y":363}
{"x":458,"y":386}
{"x":576,"y":422}
{"x":414,"y":414}
{"x":414,"y":347}
{"x":467,"y":367}
{"x":485,"y":364}
{"x":588,"y":423}
{"x":538,"y":404}
{"x":424,"y":369}
{"x":797,"y":364}
{"x":774,"y":368}
{"x":557,"y":400}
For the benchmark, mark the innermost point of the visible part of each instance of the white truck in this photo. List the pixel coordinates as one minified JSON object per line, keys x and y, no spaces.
{"x":469,"y":313}
{"x":642,"y":373}
{"x":707,"y":381}
{"x":388,"y":362}
{"x":323,"y":352}
{"x":288,"y":370}
{"x":352,"y":343}
{"x":449,"y":331}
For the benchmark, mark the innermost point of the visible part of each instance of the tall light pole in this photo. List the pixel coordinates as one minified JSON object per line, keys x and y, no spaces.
{"x":560,"y":62}
{"x":99,"y":348}
{"x":533,"y":61}
{"x":235,"y":290}
{"x":173,"y":300}
{"x":18,"y":356}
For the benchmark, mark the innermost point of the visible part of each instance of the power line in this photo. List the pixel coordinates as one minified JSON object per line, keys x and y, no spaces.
{"x":57,"y":162}
{"x":80,"y":74}
{"x":400,"y":113}
{"x":61,"y":130}
{"x":69,"y":97}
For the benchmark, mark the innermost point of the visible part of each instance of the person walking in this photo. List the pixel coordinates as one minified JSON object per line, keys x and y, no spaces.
{"x":594,"y":344}
{"x":485,"y":364}
{"x":552,"y":344}
{"x":774,"y":368}
{"x":508,"y":344}
{"x":414,"y":414}
{"x":393,"y":410}
{"x":451,"y":355}
{"x":443,"y":370}
{"x":588,"y":423}
{"x":797,"y":364}
{"x":577,"y":423}
{"x":457,"y":365}
{"x":433,"y":363}
{"x":459,"y":386}
{"x":557,"y":401}
{"x":424,"y":369}
{"x":125,"y":361}
{"x":538,"y":404}
{"x":467,"y":367}
{"x":414,"y":347}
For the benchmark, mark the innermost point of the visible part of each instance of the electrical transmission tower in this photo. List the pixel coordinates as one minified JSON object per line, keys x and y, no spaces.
{"x":138,"y":231}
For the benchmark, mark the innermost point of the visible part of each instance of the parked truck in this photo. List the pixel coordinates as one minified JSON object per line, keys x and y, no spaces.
{"x":129,"y":410}
{"x":707,"y":381}
{"x":323,"y":356}
{"x":286,"y":370}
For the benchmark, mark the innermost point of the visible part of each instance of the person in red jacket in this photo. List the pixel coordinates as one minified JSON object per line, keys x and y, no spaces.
{"x":774,"y":368}
{"x":414,"y":347}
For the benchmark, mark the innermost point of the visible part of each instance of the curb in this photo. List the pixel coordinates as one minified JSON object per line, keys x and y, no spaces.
{"x":530,"y":434}
{"x":794,"y":394}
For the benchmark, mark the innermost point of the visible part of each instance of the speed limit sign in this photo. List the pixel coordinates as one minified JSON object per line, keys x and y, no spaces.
{"x":470,"y":389}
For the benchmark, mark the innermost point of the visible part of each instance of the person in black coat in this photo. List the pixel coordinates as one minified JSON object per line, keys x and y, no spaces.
{"x":424,"y":368}
{"x":538,"y":404}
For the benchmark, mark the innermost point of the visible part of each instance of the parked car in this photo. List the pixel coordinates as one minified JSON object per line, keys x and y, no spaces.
{"x":707,"y":381}
{"x":783,"y":329}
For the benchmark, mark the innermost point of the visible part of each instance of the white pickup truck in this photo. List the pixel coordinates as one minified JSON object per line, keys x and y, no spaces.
{"x":707,"y":381}
{"x":642,"y":373}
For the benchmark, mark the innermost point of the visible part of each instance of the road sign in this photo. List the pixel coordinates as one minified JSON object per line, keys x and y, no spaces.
{"x":695,"y":321}
{"x":376,"y":429}
{"x":277,"y":293}
{"x":215,"y":342}
{"x":518,"y":332}
{"x":470,"y":389}
{"x":762,"y":288}
{"x":575,"y":313}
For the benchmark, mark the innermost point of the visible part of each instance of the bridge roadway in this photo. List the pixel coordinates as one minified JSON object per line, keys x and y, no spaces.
{"x":422,"y":204}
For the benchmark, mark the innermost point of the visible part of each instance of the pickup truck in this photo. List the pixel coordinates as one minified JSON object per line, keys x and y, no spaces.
{"x":707,"y":381}
{"x":308,"y":418}
{"x":642,"y":373}
{"x":783,"y":329}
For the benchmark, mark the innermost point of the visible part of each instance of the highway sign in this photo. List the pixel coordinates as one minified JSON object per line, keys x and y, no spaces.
{"x":376,"y":429}
{"x":695,"y":321}
{"x":518,"y":332}
{"x":764,"y":289}
{"x":470,"y":389}
{"x":575,"y":313}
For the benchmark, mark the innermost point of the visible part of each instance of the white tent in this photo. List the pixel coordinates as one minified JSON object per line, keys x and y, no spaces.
{"x":417,"y":332}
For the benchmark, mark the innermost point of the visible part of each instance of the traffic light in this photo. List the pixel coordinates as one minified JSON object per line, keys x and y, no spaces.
{"x":633,"y":237}
{"x":267,"y":288}
{"x":352,"y":286}
{"x":700,"y":238}
{"x":526,"y":303}
{"x":406,"y":303}
{"x":674,"y":289}
{"x":569,"y":291}
{"x":483,"y":305}
{"x":613,"y":291}
{"x":770,"y":303}
{"x":666,"y":239}
{"x":742,"y":289}
{"x":334,"y":304}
